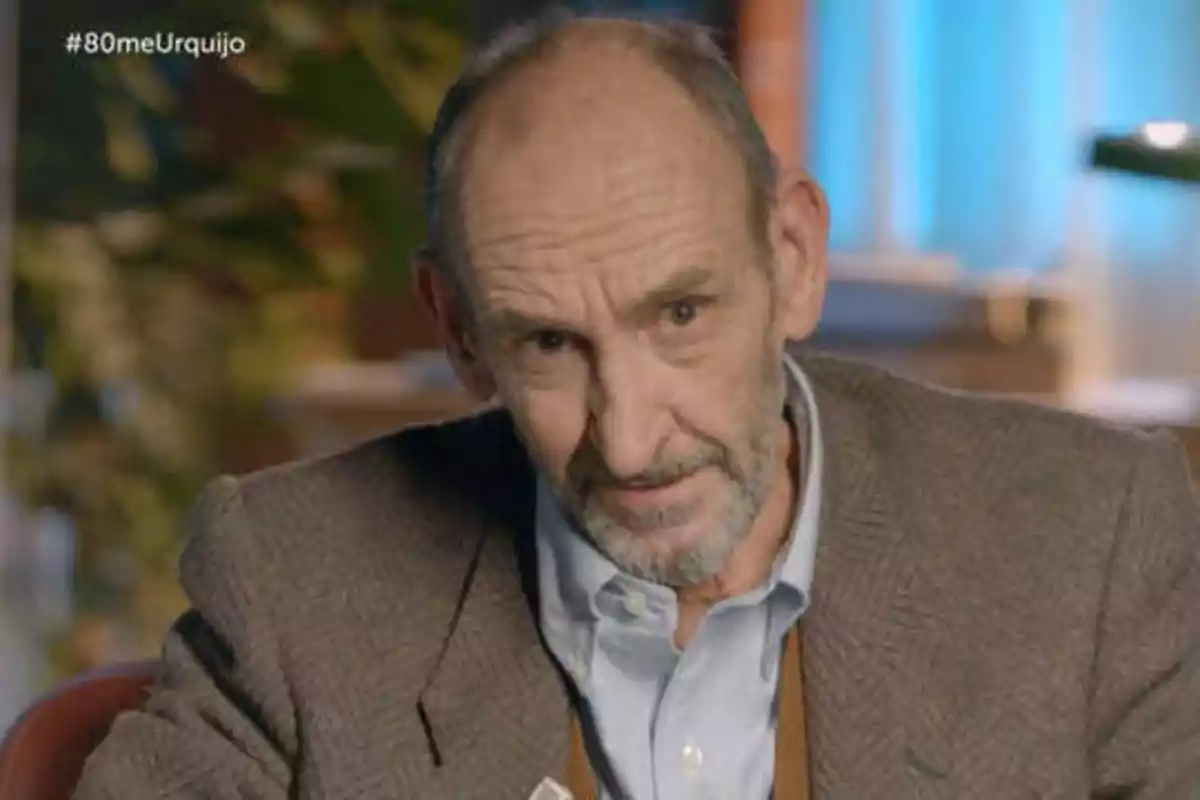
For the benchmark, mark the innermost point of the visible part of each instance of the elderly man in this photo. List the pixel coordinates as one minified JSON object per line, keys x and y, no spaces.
{"x":677,"y":562}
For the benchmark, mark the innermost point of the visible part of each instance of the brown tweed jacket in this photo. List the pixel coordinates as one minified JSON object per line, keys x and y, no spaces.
{"x":1006,"y":605}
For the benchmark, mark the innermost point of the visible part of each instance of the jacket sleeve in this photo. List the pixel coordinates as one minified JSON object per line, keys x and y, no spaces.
{"x":219,"y":723}
{"x":1145,"y":704}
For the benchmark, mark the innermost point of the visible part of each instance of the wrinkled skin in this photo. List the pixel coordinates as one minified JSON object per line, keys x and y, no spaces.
{"x":621,"y":304}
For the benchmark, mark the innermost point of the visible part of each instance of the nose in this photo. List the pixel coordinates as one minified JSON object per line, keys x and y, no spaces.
{"x":630,"y":423}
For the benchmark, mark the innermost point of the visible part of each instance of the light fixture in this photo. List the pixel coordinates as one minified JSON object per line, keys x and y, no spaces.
{"x":1167,"y":135}
{"x":1162,"y":149}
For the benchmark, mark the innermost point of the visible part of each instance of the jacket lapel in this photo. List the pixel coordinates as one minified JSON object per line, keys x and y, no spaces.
{"x":869,"y":631}
{"x":495,"y":706}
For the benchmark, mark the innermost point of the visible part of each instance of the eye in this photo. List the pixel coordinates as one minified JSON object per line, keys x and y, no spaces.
{"x":683,"y":312}
{"x":548,"y":341}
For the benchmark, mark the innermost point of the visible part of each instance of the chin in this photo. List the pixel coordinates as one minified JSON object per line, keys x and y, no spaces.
{"x":675,"y":555}
{"x":674,"y":541}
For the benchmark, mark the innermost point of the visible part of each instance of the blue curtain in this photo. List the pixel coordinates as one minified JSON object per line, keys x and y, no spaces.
{"x":984,"y":91}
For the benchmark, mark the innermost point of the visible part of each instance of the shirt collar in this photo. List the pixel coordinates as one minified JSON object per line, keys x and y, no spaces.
{"x":795,"y":565}
{"x":582,"y":571}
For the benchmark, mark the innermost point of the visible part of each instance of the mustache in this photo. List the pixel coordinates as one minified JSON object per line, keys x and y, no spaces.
{"x":588,"y":472}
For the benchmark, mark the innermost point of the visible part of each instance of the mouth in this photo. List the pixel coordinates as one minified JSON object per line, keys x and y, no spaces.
{"x":640,"y":500}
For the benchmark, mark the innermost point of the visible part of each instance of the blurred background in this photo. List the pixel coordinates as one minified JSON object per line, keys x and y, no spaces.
{"x":205,"y":258}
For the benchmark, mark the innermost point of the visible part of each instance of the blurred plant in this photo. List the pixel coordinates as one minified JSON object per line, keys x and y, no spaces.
{"x":189,"y":230}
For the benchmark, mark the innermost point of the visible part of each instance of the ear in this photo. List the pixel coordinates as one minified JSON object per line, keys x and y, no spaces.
{"x":800,"y":234}
{"x":446,"y":304}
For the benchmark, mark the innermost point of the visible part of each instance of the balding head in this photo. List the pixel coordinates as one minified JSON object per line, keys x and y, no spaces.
{"x":550,"y":58}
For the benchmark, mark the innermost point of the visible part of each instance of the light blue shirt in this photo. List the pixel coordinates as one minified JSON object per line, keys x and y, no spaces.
{"x":693,"y":724}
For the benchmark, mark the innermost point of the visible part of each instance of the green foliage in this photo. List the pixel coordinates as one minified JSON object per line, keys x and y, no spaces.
{"x":182,"y":224}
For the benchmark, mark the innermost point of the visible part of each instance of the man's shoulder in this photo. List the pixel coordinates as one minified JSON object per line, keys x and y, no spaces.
{"x":924,"y":423}
{"x":450,"y":455}
{"x":423,"y":490}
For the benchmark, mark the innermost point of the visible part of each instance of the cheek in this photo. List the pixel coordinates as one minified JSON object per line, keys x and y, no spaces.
{"x":552,"y":422}
{"x":722,"y":394}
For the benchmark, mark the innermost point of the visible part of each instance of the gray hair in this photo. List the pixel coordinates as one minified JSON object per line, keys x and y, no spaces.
{"x":685,"y":51}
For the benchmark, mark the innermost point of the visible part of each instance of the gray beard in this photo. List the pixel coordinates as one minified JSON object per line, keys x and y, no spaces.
{"x":622,"y":542}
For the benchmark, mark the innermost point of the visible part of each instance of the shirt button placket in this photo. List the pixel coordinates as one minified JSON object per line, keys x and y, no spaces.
{"x":691,"y":760}
{"x":679,"y":757}
{"x":635,"y":604}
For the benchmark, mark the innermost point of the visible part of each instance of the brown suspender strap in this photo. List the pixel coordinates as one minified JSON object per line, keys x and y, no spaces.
{"x":791,"y":780}
{"x":580,"y":781}
{"x":791,"y":735}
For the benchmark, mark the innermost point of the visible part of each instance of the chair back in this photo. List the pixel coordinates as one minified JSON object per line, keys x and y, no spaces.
{"x":42,"y":756}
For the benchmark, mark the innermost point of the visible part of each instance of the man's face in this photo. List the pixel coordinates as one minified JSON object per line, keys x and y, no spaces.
{"x":626,"y":312}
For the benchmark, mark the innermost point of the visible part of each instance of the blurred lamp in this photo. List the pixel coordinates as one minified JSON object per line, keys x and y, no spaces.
{"x":1166,"y":135}
{"x":1164,"y":149}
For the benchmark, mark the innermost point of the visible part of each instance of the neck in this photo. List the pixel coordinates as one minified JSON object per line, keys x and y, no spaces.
{"x":751,"y":563}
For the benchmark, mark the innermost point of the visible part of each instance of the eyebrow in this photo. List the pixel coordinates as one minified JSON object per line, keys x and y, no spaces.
{"x":508,"y":321}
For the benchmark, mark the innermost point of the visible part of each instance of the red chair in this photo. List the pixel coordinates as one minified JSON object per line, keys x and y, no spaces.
{"x":42,"y":756}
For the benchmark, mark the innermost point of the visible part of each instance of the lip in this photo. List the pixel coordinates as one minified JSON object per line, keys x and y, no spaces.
{"x":643,"y":498}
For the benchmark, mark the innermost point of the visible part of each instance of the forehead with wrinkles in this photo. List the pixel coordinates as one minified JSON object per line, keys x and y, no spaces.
{"x":592,"y":156}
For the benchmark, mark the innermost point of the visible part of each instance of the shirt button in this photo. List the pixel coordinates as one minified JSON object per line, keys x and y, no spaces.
{"x":578,"y":668}
{"x":692,"y":759}
{"x":635,"y":603}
